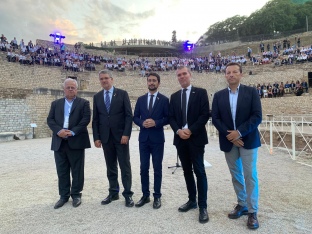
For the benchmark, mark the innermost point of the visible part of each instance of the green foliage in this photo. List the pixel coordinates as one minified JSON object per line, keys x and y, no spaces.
{"x":275,"y":16}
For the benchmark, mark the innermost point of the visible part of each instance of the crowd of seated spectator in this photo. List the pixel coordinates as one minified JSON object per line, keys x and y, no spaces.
{"x":279,"y":90}
{"x":73,"y":60}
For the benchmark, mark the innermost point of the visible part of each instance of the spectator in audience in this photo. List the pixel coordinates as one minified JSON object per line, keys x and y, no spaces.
{"x":304,"y":85}
{"x":299,"y":91}
{"x":281,"y":89}
{"x":270,"y":92}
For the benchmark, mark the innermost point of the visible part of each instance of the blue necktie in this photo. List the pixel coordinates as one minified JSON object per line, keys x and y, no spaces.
{"x":107,"y":101}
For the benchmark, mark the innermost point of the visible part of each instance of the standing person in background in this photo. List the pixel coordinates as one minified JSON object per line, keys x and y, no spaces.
{"x":151,"y":115}
{"x":68,"y":119}
{"x":112,"y":126}
{"x":236,"y":113}
{"x":188,"y":115}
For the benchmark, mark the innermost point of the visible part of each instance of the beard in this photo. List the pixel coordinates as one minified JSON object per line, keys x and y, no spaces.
{"x":152,"y":88}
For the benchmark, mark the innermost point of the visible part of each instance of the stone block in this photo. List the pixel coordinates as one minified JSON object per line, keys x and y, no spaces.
{"x":19,"y":136}
{"x":6,"y":136}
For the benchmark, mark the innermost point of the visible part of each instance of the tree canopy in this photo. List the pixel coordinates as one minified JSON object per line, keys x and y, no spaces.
{"x":275,"y":16}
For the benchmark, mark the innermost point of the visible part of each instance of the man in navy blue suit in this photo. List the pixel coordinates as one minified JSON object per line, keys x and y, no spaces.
{"x":236,"y":113}
{"x":188,"y":115}
{"x":151,"y":115}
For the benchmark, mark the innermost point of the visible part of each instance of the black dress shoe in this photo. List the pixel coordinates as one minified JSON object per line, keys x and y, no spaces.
{"x":60,"y":203}
{"x":238,"y":212}
{"x":110,"y":198}
{"x":142,"y":201}
{"x":203,"y":215}
{"x":76,"y":202}
{"x":129,"y":202}
{"x":157,"y":203}
{"x":187,"y":206}
{"x":252,"y":222}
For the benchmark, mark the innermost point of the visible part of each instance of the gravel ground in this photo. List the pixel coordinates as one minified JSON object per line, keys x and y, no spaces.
{"x":29,"y":191}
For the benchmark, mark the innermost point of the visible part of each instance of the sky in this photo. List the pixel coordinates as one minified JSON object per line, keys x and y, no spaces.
{"x":104,"y":20}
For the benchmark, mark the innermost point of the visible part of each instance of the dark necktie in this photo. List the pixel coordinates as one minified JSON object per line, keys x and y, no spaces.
{"x":184,"y":121}
{"x":150,"y":105}
{"x":107,"y":101}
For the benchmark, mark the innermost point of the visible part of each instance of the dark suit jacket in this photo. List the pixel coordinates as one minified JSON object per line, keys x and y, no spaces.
{"x":118,"y":121}
{"x":197,"y":115}
{"x":79,"y":119}
{"x":248,"y":117}
{"x":159,"y":114}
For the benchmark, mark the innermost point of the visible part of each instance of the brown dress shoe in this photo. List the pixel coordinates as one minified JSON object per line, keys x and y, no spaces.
{"x":252,"y":222}
{"x":238,"y":212}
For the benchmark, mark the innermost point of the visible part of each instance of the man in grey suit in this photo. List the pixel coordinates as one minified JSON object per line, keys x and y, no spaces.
{"x":112,"y":126}
{"x":236,"y":113}
{"x":68,"y":119}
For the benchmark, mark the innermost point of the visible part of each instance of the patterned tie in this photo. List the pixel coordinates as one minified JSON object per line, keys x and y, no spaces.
{"x":107,"y":101}
{"x":150,"y":106}
{"x":184,"y":121}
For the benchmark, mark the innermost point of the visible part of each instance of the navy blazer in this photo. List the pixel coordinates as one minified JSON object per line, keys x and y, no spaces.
{"x":159,"y":114}
{"x":79,"y":119}
{"x":116,"y":123}
{"x":197,"y":115}
{"x":248,"y":117}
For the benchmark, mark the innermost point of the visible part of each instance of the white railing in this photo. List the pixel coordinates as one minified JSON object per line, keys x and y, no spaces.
{"x":281,"y":132}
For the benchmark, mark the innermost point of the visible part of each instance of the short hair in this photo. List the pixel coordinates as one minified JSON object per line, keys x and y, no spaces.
{"x":105,"y":71}
{"x":70,"y":79}
{"x":235,"y":64}
{"x":181,"y":67}
{"x":154,"y":74}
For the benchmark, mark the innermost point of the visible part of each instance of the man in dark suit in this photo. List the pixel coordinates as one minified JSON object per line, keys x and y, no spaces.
{"x":151,"y":115}
{"x":68,"y":119}
{"x":112,"y":125}
{"x":188,"y":115}
{"x":236,"y":113}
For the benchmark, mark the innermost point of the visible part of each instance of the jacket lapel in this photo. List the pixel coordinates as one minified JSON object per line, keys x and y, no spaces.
{"x":157,"y":99}
{"x":227,"y":101}
{"x":75,"y":103}
{"x":191,"y":98}
{"x":240,"y":97}
{"x":114,"y":96}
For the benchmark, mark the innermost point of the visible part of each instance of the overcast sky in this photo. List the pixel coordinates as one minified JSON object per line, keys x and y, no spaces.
{"x":105,"y":20}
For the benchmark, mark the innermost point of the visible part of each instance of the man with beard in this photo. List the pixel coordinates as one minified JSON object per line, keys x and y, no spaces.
{"x":151,"y":114}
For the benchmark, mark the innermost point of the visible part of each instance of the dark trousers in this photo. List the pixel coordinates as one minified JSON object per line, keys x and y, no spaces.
{"x":114,"y":151}
{"x":192,"y":158}
{"x":157,"y":151}
{"x":69,"y":160}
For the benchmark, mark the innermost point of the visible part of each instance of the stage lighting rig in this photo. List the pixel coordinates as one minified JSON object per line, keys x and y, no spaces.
{"x":57,"y":37}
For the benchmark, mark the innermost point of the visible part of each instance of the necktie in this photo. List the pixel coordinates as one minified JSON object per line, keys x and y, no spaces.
{"x":107,"y":101}
{"x":150,"y":105}
{"x":184,"y":107}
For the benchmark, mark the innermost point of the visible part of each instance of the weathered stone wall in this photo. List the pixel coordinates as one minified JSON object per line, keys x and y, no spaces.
{"x":26,"y":92}
{"x":17,"y":112}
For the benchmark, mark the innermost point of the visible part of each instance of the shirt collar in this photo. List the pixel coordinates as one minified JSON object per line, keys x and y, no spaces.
{"x":111,"y":90}
{"x":236,"y":89}
{"x":188,"y":87}
{"x":155,"y":94}
{"x":71,"y":100}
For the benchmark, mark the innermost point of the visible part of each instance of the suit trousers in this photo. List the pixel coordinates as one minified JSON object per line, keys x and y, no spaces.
{"x":192,"y":158}
{"x":114,"y":151}
{"x":242,"y":164}
{"x":66,"y":160}
{"x":147,"y":149}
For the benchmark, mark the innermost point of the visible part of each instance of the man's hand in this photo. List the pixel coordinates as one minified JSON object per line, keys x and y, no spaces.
{"x":124,"y":140}
{"x":184,"y":133}
{"x":64,"y":133}
{"x":149,"y":123}
{"x":233,"y":135}
{"x":98,"y":143}
{"x":238,"y":143}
